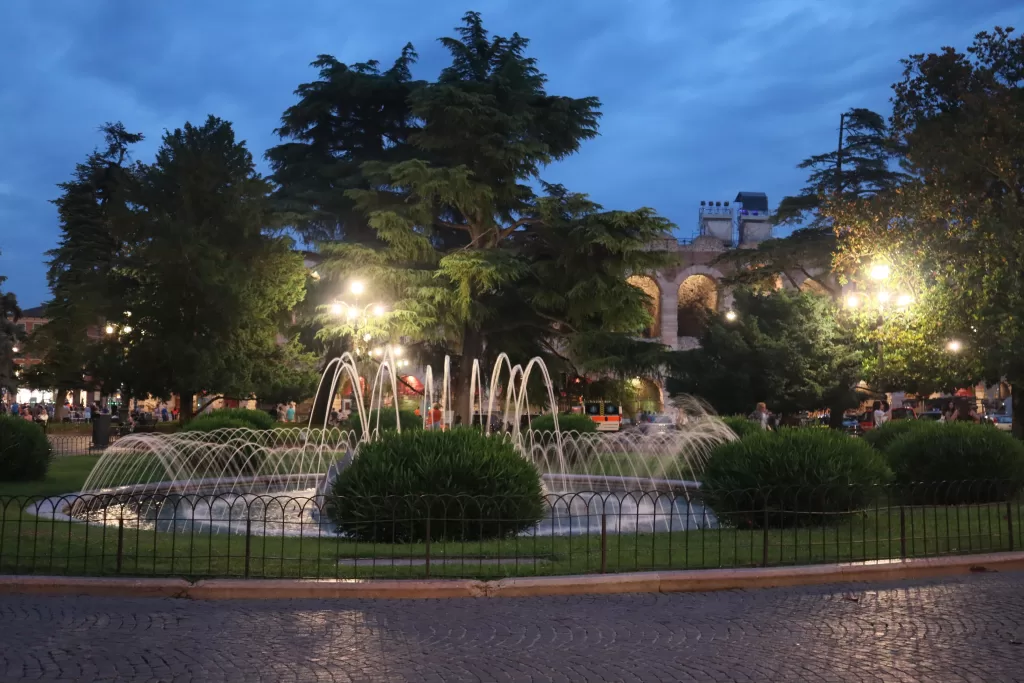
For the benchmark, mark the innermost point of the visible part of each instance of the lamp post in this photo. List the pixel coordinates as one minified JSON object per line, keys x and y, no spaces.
{"x":873,"y":296}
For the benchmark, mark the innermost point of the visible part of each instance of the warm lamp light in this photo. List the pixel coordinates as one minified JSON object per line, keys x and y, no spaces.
{"x":904,"y":300}
{"x":852,"y":301}
{"x":357,"y":287}
{"x":879,"y":271}
{"x":109,"y":329}
{"x":883,"y":297}
{"x":336,"y":309}
{"x":378,"y":310}
{"x":954,"y":346}
{"x":730,"y":316}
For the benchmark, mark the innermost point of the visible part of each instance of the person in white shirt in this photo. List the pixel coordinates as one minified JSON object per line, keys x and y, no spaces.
{"x":880,"y":415}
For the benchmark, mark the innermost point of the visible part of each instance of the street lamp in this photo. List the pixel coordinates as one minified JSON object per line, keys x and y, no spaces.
{"x":879,"y":272}
{"x":14,"y":349}
{"x":357,"y":287}
{"x":852,"y":301}
{"x":109,"y":329}
{"x":954,"y":346}
{"x":730,"y":316}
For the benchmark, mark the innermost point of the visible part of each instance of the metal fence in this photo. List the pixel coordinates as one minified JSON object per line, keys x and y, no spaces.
{"x":280,"y":535}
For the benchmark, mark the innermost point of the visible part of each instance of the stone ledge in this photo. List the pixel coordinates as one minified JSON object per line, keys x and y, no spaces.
{"x":691,"y":580}
{"x":99,"y":586}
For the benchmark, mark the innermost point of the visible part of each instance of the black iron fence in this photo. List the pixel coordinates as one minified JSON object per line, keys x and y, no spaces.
{"x":65,"y":444}
{"x":151,"y":533}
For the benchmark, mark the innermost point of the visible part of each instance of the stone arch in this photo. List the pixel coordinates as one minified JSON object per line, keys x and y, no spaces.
{"x":649,"y":286}
{"x":648,"y":396}
{"x":697,"y":297}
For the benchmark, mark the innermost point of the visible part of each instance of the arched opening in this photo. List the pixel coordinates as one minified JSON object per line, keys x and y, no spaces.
{"x":649,"y":287}
{"x":646,"y":395}
{"x":698,"y":296}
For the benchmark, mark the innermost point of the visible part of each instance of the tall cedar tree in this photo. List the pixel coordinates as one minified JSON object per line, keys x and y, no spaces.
{"x":863,"y":164}
{"x":9,"y":337}
{"x":81,"y":269}
{"x":444,"y":173}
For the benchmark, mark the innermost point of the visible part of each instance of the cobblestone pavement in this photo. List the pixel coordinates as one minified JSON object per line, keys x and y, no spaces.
{"x":965,"y":629}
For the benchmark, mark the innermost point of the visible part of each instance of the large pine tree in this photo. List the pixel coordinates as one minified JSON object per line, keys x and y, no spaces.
{"x":463,"y":247}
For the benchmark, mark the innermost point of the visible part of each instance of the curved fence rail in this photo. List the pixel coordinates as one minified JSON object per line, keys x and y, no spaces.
{"x":275,"y":536}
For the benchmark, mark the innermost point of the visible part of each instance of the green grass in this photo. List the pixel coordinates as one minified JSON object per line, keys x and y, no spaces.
{"x":32,"y":545}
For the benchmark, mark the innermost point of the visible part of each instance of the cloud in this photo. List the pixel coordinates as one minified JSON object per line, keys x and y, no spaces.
{"x":701,"y":99}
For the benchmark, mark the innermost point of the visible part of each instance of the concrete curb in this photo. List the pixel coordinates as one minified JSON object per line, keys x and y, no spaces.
{"x":692,"y":580}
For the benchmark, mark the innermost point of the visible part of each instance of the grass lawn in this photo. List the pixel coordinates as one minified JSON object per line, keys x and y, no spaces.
{"x":30,"y":544}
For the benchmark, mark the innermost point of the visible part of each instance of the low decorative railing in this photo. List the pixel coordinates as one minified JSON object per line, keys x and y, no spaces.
{"x":292,"y":535}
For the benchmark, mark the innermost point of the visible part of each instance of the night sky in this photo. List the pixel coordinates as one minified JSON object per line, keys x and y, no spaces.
{"x":701,"y":99}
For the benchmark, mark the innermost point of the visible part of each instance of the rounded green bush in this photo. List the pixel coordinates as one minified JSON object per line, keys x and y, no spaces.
{"x":231,"y":458}
{"x":742,"y":426}
{"x":882,"y":437}
{"x":25,"y":451}
{"x":410,"y":421}
{"x":792,"y":477}
{"x":569,"y":422}
{"x":958,"y":462}
{"x":457,"y":484}
{"x":257,"y":419}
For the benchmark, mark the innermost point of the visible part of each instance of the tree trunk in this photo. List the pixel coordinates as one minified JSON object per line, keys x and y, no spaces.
{"x":462,"y":390}
{"x":835,"y":415}
{"x":1017,"y":425}
{"x":59,"y":411}
{"x":186,"y":406}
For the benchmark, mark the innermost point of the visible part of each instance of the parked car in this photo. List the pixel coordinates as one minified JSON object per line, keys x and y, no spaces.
{"x":659,"y":424}
{"x":851,"y":425}
{"x":932,"y":415}
{"x":1003,"y":422}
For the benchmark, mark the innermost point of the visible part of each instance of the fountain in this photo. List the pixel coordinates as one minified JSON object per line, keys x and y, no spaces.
{"x":273,"y":481}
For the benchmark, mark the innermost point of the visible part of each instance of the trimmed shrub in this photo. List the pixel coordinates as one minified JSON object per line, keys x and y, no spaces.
{"x":257,"y":419}
{"x":569,"y":422}
{"x":958,"y":462}
{"x":231,"y":458}
{"x":25,"y":452}
{"x":742,"y":426}
{"x":410,"y":421}
{"x":457,"y":484}
{"x":792,"y":477}
{"x":882,"y":437}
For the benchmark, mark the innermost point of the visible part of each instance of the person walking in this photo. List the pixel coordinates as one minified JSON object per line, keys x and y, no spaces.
{"x":761,"y":415}
{"x":290,"y":414}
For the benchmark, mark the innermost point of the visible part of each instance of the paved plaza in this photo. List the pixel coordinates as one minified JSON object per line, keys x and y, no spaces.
{"x":963,"y":629}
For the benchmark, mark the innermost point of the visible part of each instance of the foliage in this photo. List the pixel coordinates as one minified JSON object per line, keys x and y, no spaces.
{"x":178,"y":256}
{"x":386,"y":416}
{"x":785,"y":348}
{"x":882,"y":437}
{"x":804,"y":258}
{"x":457,"y":485}
{"x":9,"y":314}
{"x":742,"y":426}
{"x":862,"y":166}
{"x":957,"y":462}
{"x":434,"y":187}
{"x":25,"y":452}
{"x":792,"y":477}
{"x":953,"y":229}
{"x":256,"y":419}
{"x":567,"y":422}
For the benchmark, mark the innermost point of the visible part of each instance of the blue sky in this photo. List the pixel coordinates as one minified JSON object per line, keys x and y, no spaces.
{"x":701,"y":98}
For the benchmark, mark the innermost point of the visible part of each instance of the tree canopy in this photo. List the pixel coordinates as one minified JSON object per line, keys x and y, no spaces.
{"x":9,"y":337}
{"x":179,"y":259}
{"x":953,"y":227}
{"x":468,"y":245}
{"x":785,"y":348}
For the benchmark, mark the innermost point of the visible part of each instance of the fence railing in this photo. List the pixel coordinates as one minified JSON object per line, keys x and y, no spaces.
{"x":65,"y":444}
{"x":291,"y":535}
